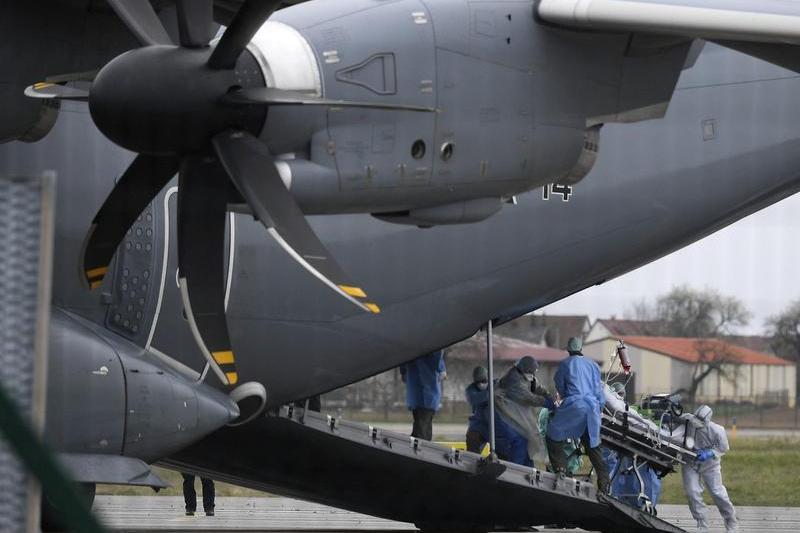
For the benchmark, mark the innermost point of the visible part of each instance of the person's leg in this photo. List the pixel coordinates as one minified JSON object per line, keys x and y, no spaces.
{"x":208,"y":495}
{"x":518,"y":450}
{"x":599,"y":463}
{"x":558,"y":459}
{"x":694,"y":496}
{"x":475,"y":441}
{"x":429,"y":414}
{"x":712,"y":478}
{"x":416,"y":428}
{"x":189,"y":495}
{"x":423,"y":423}
{"x":655,"y":486}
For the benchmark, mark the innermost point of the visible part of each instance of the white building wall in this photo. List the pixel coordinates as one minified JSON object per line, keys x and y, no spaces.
{"x":600,"y":351}
{"x":682,"y":372}
{"x":597,"y":333}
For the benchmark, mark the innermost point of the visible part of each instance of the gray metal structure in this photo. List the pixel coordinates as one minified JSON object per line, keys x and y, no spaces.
{"x":561,"y":153}
{"x":26,"y":216}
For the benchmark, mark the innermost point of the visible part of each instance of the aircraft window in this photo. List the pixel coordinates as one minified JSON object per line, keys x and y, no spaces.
{"x":446,"y":151}
{"x":418,"y":149}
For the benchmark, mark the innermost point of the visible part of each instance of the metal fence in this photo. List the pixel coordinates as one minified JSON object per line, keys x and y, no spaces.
{"x":26,"y":228}
{"x":387,"y":403}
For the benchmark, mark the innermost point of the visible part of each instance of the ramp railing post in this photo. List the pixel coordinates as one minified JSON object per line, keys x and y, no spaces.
{"x":490,"y":367}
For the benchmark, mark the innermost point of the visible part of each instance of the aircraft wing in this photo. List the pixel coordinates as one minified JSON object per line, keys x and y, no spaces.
{"x":765,"y":21}
{"x":766,"y":29}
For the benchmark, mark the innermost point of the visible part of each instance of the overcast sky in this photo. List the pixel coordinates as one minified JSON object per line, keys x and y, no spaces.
{"x":756,"y":259}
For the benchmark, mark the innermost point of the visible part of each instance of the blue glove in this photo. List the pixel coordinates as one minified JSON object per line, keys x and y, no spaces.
{"x":705,"y":454}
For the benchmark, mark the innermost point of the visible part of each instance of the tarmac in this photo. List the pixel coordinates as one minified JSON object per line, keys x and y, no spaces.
{"x":165,"y":513}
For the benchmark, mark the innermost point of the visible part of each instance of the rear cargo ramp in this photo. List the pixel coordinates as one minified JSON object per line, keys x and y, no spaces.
{"x":357,"y":467}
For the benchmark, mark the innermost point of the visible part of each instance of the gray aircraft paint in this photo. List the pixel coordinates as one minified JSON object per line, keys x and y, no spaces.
{"x":726,"y":147}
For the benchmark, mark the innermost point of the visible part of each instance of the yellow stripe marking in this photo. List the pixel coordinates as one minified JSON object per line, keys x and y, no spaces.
{"x":93,"y":285}
{"x":374,"y":308}
{"x":233,"y":378}
{"x":353,"y":291}
{"x":41,"y":85}
{"x":96,"y":272}
{"x":223,"y":358}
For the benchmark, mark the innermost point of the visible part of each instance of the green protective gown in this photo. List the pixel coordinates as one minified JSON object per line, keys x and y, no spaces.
{"x":575,"y":459}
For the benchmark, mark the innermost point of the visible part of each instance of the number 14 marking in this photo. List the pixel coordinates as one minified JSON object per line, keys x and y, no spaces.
{"x":554,"y":188}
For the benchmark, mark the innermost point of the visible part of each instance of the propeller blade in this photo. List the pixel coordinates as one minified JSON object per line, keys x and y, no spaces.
{"x":202,"y":208}
{"x":137,"y":187}
{"x":195,"y":22}
{"x":250,"y":17}
{"x":54,"y":91}
{"x":252,"y":169}
{"x":272,"y":96}
{"x":141,"y":19}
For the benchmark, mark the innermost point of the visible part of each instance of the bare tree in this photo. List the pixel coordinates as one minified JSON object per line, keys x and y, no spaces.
{"x":641,"y":310}
{"x":785,"y":331}
{"x":705,"y":315}
{"x":715,"y":356}
{"x":691,"y":313}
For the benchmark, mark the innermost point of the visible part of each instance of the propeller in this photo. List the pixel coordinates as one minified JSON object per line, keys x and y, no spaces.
{"x":197,"y":110}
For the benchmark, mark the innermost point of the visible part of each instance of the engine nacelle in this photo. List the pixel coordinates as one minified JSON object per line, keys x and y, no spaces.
{"x":485,"y":140}
{"x":104,"y":397}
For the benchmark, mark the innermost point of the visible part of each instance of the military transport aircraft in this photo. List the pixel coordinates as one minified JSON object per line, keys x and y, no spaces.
{"x":359,"y":182}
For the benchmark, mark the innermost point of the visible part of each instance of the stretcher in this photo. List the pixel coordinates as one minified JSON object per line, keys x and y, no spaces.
{"x":659,"y":445}
{"x":662,"y":448}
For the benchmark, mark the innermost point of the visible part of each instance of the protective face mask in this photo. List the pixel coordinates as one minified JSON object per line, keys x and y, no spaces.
{"x":699,"y":423}
{"x":482,"y":385}
{"x":529,"y":377}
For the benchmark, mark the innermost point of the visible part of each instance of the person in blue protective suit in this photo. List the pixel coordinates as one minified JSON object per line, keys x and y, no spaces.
{"x":518,"y":400}
{"x":626,"y":487}
{"x":477,"y":394}
{"x":423,"y":377}
{"x":578,"y":383}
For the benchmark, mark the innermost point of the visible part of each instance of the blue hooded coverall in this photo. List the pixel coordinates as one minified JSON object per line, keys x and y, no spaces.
{"x":626,"y":484}
{"x":477,"y":399}
{"x":423,"y":377}
{"x":423,"y":381}
{"x":478,"y":429}
{"x":578,"y":417}
{"x":578,"y":382}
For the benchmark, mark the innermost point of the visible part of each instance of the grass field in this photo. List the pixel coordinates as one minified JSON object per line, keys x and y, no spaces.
{"x":756,"y":472}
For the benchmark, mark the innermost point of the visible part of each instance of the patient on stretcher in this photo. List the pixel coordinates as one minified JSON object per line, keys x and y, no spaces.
{"x":617,"y":407}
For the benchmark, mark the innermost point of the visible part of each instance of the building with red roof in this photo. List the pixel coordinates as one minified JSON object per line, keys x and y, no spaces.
{"x":667,"y":364}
